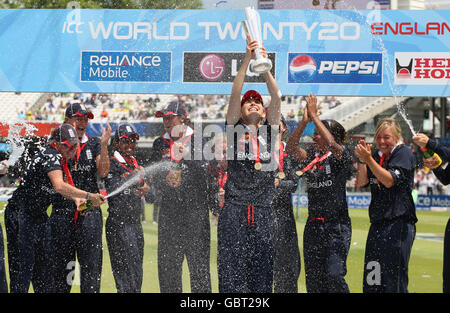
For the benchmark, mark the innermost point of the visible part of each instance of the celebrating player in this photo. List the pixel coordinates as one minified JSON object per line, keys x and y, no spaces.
{"x":390,"y":173}
{"x":327,"y":234}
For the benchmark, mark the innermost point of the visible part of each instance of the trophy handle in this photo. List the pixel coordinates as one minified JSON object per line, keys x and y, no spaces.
{"x":252,"y":26}
{"x":245,"y":28}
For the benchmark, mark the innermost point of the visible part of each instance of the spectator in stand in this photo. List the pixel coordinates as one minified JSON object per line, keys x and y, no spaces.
{"x":291,"y":115}
{"x":21,"y":115}
{"x":104,"y":113}
{"x":428,"y":181}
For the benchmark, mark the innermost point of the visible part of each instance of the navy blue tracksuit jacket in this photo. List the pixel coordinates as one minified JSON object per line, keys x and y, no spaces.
{"x":124,"y":234}
{"x":27,"y":230}
{"x":81,"y":239}
{"x":392,"y":231}
{"x":444,"y":177}
{"x":246,"y":223}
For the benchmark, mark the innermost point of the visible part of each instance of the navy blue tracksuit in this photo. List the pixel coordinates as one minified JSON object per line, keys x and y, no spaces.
{"x":27,"y":230}
{"x":3,"y":283}
{"x":392,"y":231}
{"x":444,"y":177}
{"x":81,"y":239}
{"x":124,"y":234}
{"x":183,"y":222}
{"x":246,"y":223}
{"x":287,"y":264}
{"x":446,"y":267}
{"x":327,"y":234}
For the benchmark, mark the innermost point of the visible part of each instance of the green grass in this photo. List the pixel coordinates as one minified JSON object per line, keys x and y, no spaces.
{"x":425,"y":267}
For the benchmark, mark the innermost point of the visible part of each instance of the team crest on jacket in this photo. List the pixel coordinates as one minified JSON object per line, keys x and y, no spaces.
{"x":173,"y":178}
{"x":165,"y":154}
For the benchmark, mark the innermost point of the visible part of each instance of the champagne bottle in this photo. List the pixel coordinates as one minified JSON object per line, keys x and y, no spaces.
{"x":86,"y":206}
{"x":430,"y":154}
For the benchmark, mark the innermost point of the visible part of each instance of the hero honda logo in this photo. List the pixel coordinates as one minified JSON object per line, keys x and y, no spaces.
{"x":125,"y":66}
{"x":422,"y":68}
{"x":335,"y":68}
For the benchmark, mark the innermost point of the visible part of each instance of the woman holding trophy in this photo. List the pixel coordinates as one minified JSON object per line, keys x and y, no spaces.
{"x":245,"y":228}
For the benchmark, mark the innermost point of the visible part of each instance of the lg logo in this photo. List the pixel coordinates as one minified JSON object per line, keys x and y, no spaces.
{"x":212,"y":67}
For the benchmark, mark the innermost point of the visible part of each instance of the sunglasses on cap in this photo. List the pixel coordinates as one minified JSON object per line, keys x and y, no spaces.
{"x":252,"y":98}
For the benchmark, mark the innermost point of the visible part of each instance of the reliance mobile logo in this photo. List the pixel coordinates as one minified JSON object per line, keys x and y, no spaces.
{"x":425,"y":68}
{"x":125,"y":66}
{"x":335,"y":68}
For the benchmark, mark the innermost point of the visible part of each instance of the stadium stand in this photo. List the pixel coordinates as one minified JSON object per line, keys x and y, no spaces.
{"x":18,"y":106}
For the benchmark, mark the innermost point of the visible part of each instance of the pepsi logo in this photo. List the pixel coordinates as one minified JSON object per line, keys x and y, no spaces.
{"x":212,"y":67}
{"x":335,"y":68}
{"x":302,"y":68}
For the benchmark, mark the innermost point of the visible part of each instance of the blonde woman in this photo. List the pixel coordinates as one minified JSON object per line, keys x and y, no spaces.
{"x":389,"y":170}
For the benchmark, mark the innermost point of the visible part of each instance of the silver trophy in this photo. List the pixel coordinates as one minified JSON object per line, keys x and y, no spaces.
{"x":252,"y":26}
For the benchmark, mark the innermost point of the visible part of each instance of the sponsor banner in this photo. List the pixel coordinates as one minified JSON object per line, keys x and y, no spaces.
{"x":41,"y":129}
{"x":162,"y":51}
{"x":354,"y":201}
{"x":335,"y":68}
{"x":433,"y":202}
{"x":325,"y":4}
{"x":423,"y":68}
{"x":204,"y":67}
{"x":125,"y":66}
{"x":362,"y":201}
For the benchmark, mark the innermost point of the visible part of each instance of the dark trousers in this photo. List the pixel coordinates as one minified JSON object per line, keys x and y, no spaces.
{"x":388,"y":249}
{"x":29,"y":252}
{"x":83,"y":241}
{"x":126,"y":250}
{"x":446,"y":269}
{"x":286,"y":263}
{"x":245,"y":249}
{"x":179,"y":237}
{"x":3,"y":283}
{"x":325,"y":249}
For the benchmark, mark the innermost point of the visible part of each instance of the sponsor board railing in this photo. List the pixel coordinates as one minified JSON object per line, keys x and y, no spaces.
{"x":354,"y":200}
{"x":326,"y":52}
{"x":362,"y":201}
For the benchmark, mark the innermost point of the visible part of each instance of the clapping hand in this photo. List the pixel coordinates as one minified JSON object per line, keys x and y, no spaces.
{"x":363,"y":151}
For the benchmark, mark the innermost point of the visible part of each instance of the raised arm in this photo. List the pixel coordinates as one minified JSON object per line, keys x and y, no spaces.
{"x":70,"y":191}
{"x":274,"y":108}
{"x":292,"y":147}
{"x":234,"y":105}
{"x":335,"y":148}
{"x":102,"y":159}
